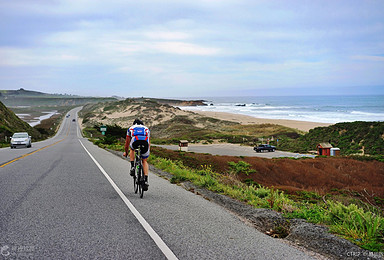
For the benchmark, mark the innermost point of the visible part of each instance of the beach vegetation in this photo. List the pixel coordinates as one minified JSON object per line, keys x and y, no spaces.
{"x":353,"y":138}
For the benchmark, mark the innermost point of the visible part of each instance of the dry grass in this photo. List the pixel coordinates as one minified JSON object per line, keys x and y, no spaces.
{"x":258,"y":130}
{"x":321,"y":175}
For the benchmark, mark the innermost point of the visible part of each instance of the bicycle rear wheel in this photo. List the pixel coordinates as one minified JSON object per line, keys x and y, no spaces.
{"x":136,"y":181}
{"x":141,"y":183}
{"x":141,"y":191}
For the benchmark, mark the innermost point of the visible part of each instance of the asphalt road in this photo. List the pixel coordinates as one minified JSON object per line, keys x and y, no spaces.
{"x":65,"y":198}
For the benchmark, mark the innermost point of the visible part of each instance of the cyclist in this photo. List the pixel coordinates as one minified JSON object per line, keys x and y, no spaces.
{"x":138,"y":134}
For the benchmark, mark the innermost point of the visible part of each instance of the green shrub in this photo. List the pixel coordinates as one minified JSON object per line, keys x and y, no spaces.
{"x":240,"y":167}
{"x":350,"y":137}
{"x":364,"y":227}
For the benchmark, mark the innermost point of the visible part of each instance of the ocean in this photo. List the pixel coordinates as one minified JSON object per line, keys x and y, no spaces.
{"x":322,"y":109}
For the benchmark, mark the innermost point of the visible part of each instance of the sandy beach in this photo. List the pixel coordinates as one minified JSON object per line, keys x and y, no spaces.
{"x":243,"y":119}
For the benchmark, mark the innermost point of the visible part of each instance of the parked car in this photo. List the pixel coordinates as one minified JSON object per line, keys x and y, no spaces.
{"x":264,"y":147}
{"x":21,"y":139}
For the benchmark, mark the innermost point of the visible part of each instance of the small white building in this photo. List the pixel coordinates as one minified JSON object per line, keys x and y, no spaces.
{"x":335,"y":151}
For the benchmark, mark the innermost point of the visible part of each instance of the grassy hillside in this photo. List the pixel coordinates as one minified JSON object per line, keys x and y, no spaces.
{"x":365,"y":138}
{"x":10,"y":123}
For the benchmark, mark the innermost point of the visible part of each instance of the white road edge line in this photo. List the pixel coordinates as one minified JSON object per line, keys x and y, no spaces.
{"x":156,"y":238}
{"x":79,"y":134}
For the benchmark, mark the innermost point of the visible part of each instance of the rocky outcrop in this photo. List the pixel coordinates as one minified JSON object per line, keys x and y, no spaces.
{"x":178,"y":103}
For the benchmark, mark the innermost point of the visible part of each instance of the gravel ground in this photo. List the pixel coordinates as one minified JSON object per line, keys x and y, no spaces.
{"x":301,"y":234}
{"x":234,"y":150}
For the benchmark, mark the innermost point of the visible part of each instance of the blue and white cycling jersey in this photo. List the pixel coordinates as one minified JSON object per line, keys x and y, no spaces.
{"x":139,"y":134}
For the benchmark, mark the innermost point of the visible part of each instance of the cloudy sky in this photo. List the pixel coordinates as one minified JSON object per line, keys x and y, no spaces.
{"x":184,"y":48}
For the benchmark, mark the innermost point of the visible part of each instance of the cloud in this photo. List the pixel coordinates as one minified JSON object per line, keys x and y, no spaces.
{"x":206,"y":45}
{"x":19,"y":57}
{"x":368,"y":58}
{"x":141,"y":69}
{"x":12,"y":57}
{"x":166,"y":35}
{"x":182,"y":48}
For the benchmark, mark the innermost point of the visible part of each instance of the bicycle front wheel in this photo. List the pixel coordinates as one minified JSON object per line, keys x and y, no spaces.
{"x":141,"y":184}
{"x":135,"y":185}
{"x":141,"y":191}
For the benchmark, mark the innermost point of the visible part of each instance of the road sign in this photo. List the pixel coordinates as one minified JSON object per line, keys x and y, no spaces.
{"x":103,"y":129}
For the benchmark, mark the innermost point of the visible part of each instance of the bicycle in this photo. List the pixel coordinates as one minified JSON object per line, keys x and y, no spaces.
{"x":138,"y":177}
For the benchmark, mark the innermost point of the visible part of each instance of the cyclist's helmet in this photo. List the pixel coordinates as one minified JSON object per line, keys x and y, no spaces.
{"x":138,"y":122}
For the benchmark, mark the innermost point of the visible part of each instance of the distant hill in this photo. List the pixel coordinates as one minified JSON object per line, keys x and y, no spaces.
{"x":22,"y":97}
{"x":352,"y":138}
{"x":21,"y":92}
{"x":10,"y":123}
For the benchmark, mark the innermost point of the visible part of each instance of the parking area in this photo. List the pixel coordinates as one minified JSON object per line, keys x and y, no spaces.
{"x":234,"y":150}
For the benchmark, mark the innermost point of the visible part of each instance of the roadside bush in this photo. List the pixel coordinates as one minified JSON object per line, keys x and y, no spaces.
{"x":109,"y":139}
{"x":311,"y":212}
{"x":364,"y":227}
{"x":240,"y":167}
{"x":87,"y":116}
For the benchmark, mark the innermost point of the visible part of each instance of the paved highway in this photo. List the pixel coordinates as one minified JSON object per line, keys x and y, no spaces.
{"x":65,"y":198}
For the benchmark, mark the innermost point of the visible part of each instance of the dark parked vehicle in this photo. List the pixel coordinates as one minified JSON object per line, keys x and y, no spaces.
{"x":264,"y":147}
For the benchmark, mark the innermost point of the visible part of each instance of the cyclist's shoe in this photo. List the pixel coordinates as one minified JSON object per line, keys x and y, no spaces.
{"x":132,"y":171}
{"x":145,"y":184}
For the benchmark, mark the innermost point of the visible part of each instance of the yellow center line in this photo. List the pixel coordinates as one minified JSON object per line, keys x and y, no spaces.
{"x":38,"y":150}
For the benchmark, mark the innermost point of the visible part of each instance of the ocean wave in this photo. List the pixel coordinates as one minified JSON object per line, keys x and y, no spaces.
{"x":367,"y":113}
{"x":252,"y":105}
{"x":332,"y":109}
{"x":300,"y":115}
